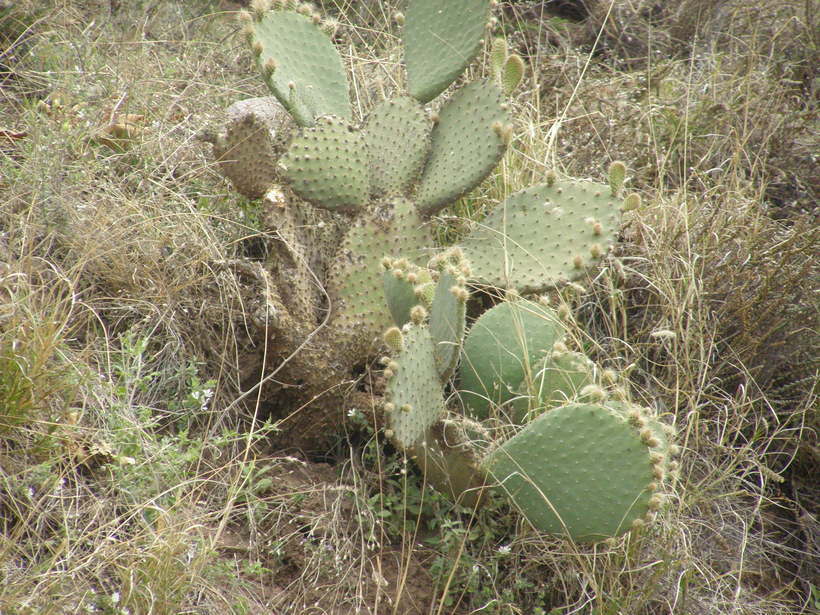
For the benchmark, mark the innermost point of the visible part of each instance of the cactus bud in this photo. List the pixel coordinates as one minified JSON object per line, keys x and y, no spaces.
{"x":632,"y":202}
{"x":648,"y":438}
{"x":595,"y":250}
{"x":398,"y":17}
{"x":329,"y":27}
{"x":498,"y":55}
{"x":394,"y":339}
{"x":593,"y":392}
{"x":418,"y":314}
{"x":551,"y":177}
{"x":259,"y":8}
{"x":513,"y":73}
{"x":269,"y":67}
{"x":617,"y":175}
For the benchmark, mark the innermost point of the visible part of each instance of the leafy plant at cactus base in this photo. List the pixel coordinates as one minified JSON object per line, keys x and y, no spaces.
{"x":352,"y":204}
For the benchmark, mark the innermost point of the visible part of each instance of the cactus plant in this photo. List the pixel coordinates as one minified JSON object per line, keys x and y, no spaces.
{"x":588,"y":470}
{"x":354,"y":273}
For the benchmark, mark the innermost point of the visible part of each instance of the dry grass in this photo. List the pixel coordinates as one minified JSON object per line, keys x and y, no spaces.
{"x":134,"y":477}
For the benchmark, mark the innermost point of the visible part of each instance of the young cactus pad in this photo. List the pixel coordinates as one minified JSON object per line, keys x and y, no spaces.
{"x":414,"y":392}
{"x":447,"y":320}
{"x":544,"y":235}
{"x":440,"y":40}
{"x":580,"y":471}
{"x":399,"y":291}
{"x":501,"y":347}
{"x":300,"y":64}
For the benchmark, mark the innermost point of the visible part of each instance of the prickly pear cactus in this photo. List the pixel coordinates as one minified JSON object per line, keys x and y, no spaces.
{"x":581,"y":465}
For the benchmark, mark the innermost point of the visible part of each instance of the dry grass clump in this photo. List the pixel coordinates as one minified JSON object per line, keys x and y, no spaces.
{"x":135,"y":475}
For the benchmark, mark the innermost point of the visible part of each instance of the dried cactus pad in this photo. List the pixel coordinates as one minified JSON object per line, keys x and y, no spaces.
{"x":327,"y":165}
{"x":440,"y":40}
{"x":300,"y":65}
{"x":398,"y":138}
{"x":356,"y":278}
{"x":544,"y":235}
{"x":580,"y":470}
{"x":469,"y":139}
{"x":414,"y":391}
{"x":501,"y":347}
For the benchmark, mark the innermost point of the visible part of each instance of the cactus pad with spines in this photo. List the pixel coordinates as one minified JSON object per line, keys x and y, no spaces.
{"x":414,"y":393}
{"x":512,"y":73}
{"x":327,"y":165}
{"x":468,"y":140}
{"x":440,"y":40}
{"x":356,"y":279}
{"x":580,"y":470}
{"x":500,"y":348}
{"x":399,"y":292}
{"x":398,"y":139}
{"x":307,"y":77}
{"x":544,"y":235}
{"x":447,"y":321}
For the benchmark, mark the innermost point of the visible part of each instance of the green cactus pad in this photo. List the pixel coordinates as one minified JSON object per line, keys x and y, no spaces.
{"x":440,"y":40}
{"x":307,"y":77}
{"x":467,"y":142}
{"x":580,"y":470}
{"x":447,"y":317}
{"x":398,"y":138}
{"x":512,"y":74}
{"x":414,"y":391}
{"x":327,"y":165}
{"x":399,"y":293}
{"x":501,"y":347}
{"x":556,"y":380}
{"x":356,"y":279}
{"x":544,"y":235}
